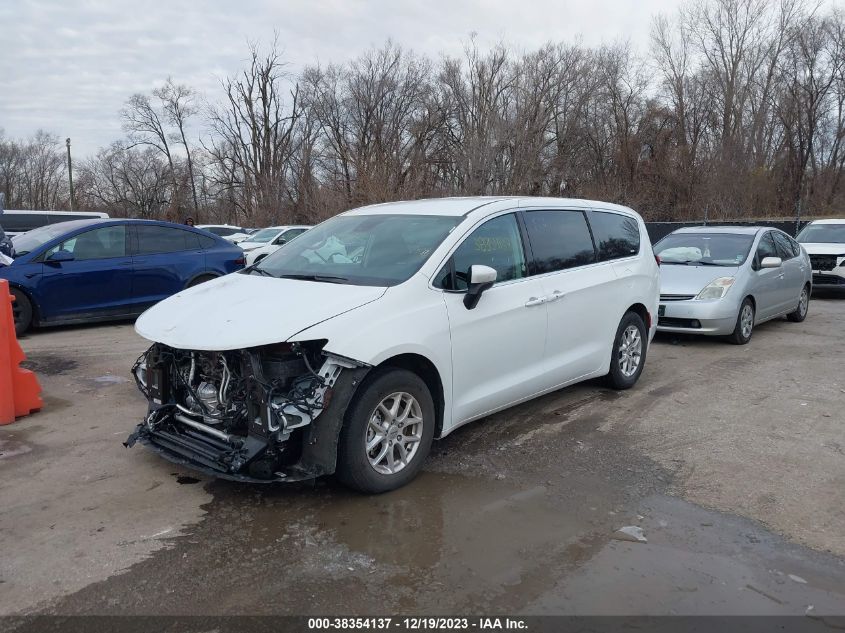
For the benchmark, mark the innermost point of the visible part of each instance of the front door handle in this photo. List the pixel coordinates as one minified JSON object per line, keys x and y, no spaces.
{"x":535,"y":301}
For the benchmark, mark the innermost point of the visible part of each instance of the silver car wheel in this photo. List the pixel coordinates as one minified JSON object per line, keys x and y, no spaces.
{"x":746,"y":320}
{"x":394,"y":433}
{"x":803,"y":302}
{"x":630,"y":351}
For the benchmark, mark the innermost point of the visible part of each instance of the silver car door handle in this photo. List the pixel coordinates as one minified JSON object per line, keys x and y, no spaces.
{"x":557,"y":294}
{"x":535,"y":301}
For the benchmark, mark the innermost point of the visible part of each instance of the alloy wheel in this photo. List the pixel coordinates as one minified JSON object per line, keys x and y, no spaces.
{"x":630,"y":351}
{"x":394,"y":433}
{"x":746,"y":320}
{"x":803,"y":302}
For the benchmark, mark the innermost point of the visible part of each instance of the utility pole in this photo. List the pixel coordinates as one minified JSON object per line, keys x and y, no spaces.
{"x":70,"y":174}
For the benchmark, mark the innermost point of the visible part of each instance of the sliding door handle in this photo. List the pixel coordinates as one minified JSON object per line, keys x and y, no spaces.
{"x":557,"y":294}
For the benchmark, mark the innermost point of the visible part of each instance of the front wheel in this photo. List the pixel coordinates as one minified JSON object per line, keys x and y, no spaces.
{"x":387,"y":433}
{"x":744,"y":327}
{"x":800,"y":313}
{"x":629,"y":352}
{"x":21,"y":311}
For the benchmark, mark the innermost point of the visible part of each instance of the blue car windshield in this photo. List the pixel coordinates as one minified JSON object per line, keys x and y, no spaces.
{"x":704,"y":249}
{"x":363,"y":250}
{"x":30,"y":241}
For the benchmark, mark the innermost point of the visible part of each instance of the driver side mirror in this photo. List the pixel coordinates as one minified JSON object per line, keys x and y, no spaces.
{"x":771,"y":262}
{"x":479,"y":279}
{"x":279,"y":241}
{"x":60,"y":256}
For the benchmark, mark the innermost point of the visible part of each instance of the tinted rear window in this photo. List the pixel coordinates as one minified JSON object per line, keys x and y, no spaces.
{"x":21,"y":222}
{"x":616,"y":235}
{"x":164,"y":239}
{"x":559,"y":240}
{"x":206,"y":241}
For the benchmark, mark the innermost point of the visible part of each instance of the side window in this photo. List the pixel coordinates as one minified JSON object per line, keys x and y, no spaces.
{"x":766,"y":248}
{"x":22,"y":222}
{"x":206,"y":241}
{"x":289,"y":235}
{"x":616,"y":235}
{"x":163,"y":239}
{"x":109,"y":241}
{"x":559,"y":240}
{"x":496,"y":243}
{"x":784,"y":246}
{"x":796,"y":247}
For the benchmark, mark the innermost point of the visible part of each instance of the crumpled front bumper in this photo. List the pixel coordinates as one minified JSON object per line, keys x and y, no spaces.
{"x":211,"y":456}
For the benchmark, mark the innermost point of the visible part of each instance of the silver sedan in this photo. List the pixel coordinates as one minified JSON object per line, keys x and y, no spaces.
{"x":722,"y":281}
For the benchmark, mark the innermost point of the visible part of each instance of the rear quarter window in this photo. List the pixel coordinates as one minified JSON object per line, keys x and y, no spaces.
{"x":206,"y":241}
{"x":616,"y":235}
{"x":154,"y":239}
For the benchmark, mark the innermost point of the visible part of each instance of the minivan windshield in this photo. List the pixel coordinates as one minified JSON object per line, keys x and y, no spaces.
{"x":363,"y":250}
{"x":704,"y":249}
{"x":32,"y":240}
{"x":822,"y":234}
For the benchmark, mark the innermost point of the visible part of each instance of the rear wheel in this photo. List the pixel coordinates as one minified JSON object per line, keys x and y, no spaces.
{"x":21,"y":311}
{"x":629,"y":352}
{"x":201,"y":280}
{"x":387,"y":433}
{"x":744,"y":324}
{"x":800,"y":313}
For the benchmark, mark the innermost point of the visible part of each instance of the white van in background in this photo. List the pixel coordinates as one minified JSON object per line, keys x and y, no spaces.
{"x":15,"y":222}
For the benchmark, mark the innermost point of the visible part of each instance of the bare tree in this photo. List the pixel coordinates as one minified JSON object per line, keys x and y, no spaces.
{"x":256,"y":134}
{"x":179,"y":105}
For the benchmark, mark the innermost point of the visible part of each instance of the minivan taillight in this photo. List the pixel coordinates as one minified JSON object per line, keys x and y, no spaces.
{"x":240,"y":261}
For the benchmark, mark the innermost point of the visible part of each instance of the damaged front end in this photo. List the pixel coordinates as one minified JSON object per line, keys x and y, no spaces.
{"x":269,"y":413}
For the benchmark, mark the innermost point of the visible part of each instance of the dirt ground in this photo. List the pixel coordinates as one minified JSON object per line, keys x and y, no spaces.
{"x":730,"y":459}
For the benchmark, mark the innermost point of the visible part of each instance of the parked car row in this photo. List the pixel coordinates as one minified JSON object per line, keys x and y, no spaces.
{"x":96,"y":270}
{"x":266,"y":241}
{"x":350,"y":346}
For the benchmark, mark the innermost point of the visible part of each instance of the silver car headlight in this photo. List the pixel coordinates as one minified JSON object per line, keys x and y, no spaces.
{"x":717,"y":288}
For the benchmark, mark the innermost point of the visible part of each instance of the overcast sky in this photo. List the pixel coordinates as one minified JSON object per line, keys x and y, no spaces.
{"x":67,"y":66}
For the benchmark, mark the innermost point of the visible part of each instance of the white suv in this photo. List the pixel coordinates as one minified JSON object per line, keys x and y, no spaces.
{"x":382,"y":328}
{"x":824,"y":241}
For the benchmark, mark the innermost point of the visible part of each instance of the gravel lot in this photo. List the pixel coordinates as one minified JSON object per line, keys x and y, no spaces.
{"x":731,"y":460}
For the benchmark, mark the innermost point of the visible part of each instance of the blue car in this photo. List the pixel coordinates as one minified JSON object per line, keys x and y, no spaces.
{"x":98,"y":270}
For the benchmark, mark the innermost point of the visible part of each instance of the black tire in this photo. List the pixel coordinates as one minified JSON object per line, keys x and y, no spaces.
{"x":742,"y":335}
{"x":21,"y":311}
{"x":354,"y":468}
{"x":200,"y":280}
{"x":618,"y":377}
{"x":800,"y":313}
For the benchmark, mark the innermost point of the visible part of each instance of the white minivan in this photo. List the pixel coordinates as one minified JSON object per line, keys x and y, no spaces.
{"x":385,"y":327}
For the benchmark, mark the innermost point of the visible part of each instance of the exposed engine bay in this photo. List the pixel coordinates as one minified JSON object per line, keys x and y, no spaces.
{"x":248,"y":414}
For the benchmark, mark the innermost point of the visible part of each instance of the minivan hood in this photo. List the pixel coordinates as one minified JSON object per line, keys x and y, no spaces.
{"x":677,"y":279}
{"x":813,"y":248}
{"x":240,"y":310}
